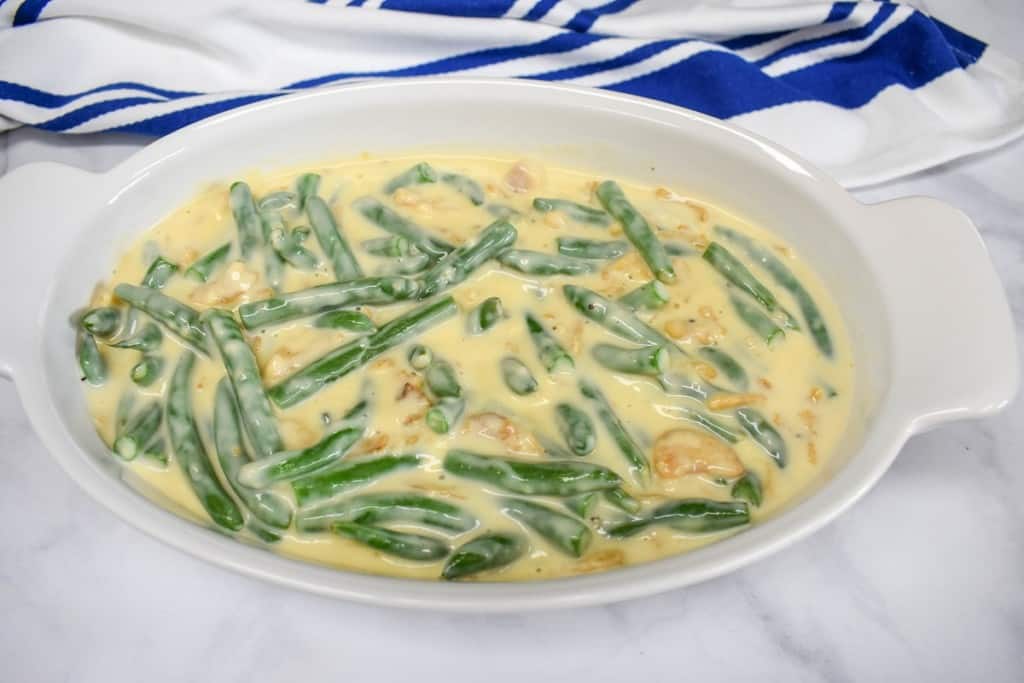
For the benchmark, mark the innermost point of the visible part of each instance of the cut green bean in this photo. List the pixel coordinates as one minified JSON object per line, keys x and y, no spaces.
{"x":727,"y":365}
{"x":539,"y":263}
{"x":273,"y":263}
{"x":722,"y":260}
{"x":459,"y":264}
{"x":289,"y":465}
{"x":158,"y":273}
{"x":275,"y":201}
{"x":465,"y":186}
{"x":560,"y":478}
{"x":334,"y":246}
{"x":269,"y":507}
{"x":552,"y":355}
{"x":637,"y":230}
{"x":206,"y":265}
{"x":582,"y":505}
{"x":389,"y":220}
{"x":576,"y":428}
{"x":179,"y":318}
{"x":785,"y":278}
{"x":566,"y":533}
{"x":748,"y":488}
{"x":415,"y":547}
{"x":156,"y":451}
{"x":147,"y":338}
{"x":323,"y":486}
{"x":406,"y":265}
{"x":441,"y":379}
{"x":646,"y":360}
{"x":90,"y":360}
{"x":103,"y":322}
{"x":703,"y":420}
{"x":675,"y":248}
{"x":289,"y":248}
{"x":387,"y":508}
{"x":517,"y":376}
{"x":484,"y":553}
{"x":580,"y":213}
{"x":647,"y":297}
{"x":757,"y":321}
{"x":481,"y":318}
{"x":247,"y":219}
{"x":147,"y":370}
{"x":139,"y":431}
{"x":764,"y":434}
{"x":343,"y":360}
{"x":596,"y":250}
{"x":306,"y":302}
{"x":614,"y":317}
{"x":443,"y":416}
{"x":389,"y":247}
{"x":420,"y":174}
{"x":307,"y":185}
{"x":691,"y":516}
{"x":244,"y":373}
{"x":352,"y":321}
{"x":190,"y":452}
{"x":420,"y":356}
{"x":622,"y":500}
{"x":606,"y":414}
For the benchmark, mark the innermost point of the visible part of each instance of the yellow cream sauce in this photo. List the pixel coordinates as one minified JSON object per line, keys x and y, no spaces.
{"x":791,"y":382}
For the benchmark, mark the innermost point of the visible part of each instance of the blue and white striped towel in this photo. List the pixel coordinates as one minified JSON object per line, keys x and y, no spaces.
{"x":868,"y":90}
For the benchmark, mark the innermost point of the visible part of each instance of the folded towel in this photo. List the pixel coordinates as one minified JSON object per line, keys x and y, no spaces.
{"x":867,"y":90}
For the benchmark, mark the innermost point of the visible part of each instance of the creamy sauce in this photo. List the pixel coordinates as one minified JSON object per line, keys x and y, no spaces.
{"x":804,"y":394}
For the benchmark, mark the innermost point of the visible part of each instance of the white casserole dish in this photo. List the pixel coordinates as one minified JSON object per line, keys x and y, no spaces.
{"x":933,"y":335}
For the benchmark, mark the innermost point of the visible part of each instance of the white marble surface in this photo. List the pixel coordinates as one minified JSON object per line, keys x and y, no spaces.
{"x":922,"y":580}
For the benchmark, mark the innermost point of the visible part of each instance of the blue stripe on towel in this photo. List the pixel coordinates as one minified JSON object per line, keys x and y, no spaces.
{"x":585,"y":18}
{"x":456,"y":8}
{"x":28,"y":11}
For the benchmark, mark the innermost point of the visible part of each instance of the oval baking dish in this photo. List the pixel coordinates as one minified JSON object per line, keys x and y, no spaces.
{"x":932,"y":335}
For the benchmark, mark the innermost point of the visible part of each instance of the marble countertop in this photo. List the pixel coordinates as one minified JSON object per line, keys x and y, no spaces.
{"x":922,"y":580}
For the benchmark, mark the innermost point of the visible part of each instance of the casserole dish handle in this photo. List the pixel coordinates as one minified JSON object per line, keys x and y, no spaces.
{"x":42,"y":207}
{"x":954,"y":352}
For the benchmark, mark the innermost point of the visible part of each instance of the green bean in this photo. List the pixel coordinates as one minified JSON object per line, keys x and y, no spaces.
{"x":90,"y":360}
{"x":517,"y":376}
{"x":485,"y":316}
{"x":262,"y":531}
{"x":576,"y":428}
{"x":349,"y":474}
{"x":646,"y":360}
{"x":139,"y":431}
{"x":785,"y":278}
{"x":273,"y":263}
{"x":203,"y":268}
{"x":577,"y":212}
{"x":614,"y":317}
{"x":389,"y":247}
{"x":247,"y":219}
{"x":179,"y":318}
{"x":384,"y":508}
{"x":415,"y":547}
{"x":420,"y":356}
{"x":289,"y":248}
{"x":466,"y":186}
{"x":722,"y":260}
{"x":561,"y":478}
{"x":648,"y":297}
{"x":459,"y":264}
{"x":748,"y":488}
{"x":123,"y":412}
{"x":345,"y":319}
{"x":334,"y":246}
{"x":552,"y":355}
{"x":566,"y":533}
{"x":539,"y":263}
{"x":637,"y":230}
{"x":764,"y":434}
{"x":156,"y":450}
{"x":288,"y":465}
{"x":489,"y":551}
{"x":676,"y":383}
{"x":158,"y":273}
{"x":407,"y":265}
{"x":674,"y":248}
{"x":344,"y":359}
{"x":703,"y":420}
{"x":147,"y":338}
{"x":597,"y":250}
{"x":441,"y":379}
{"x":581,"y":505}
{"x":444,"y":414}
{"x":503,"y":211}
{"x":301,"y":233}
{"x":692,"y":516}
{"x":268,"y":507}
{"x":420,"y":174}
{"x":102,"y":322}
{"x":630,"y":450}
{"x":190,"y":452}
{"x":307,"y":185}
{"x":622,"y":500}
{"x":757,"y":321}
{"x":727,"y":365}
{"x":307,"y":302}
{"x":388,"y":220}
{"x":275,"y":201}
